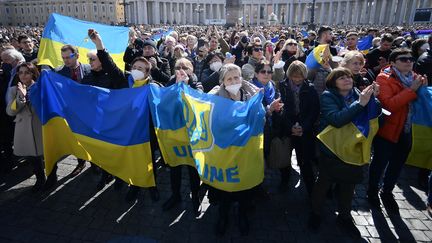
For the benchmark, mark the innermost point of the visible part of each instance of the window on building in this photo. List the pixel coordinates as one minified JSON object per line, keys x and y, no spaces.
{"x":69,"y":9}
{"x":28,"y":10}
{"x":22,"y":10}
{"x":84,"y":8}
{"x":41,"y":10}
{"x":61,"y":9}
{"x":76,"y":9}
{"x":7,"y":10}
{"x":111,"y":9}
{"x":16,"y":11}
{"x":103,"y":8}
{"x":34,"y":10}
{"x":94,"y":8}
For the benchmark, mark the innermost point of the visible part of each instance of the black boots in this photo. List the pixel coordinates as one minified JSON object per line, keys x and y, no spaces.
{"x":38,"y":170}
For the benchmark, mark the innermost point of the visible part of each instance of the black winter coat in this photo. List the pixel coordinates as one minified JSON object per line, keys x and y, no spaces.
{"x":309,"y":109}
{"x":110,"y":77}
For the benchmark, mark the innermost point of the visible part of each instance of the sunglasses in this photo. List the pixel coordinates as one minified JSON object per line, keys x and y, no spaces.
{"x":181,"y":67}
{"x":91,"y":59}
{"x":292,"y":44}
{"x":266,"y":71}
{"x":257,"y":49}
{"x":406,"y":59}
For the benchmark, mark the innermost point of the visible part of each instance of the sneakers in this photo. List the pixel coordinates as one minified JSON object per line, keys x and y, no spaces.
{"x":389,"y":203}
{"x":347,"y":225}
{"x":171,"y":202}
{"x":314,"y":221}
{"x":373,"y":199}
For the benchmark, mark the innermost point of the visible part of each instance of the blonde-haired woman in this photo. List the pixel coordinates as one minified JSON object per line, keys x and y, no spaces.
{"x":291,"y":52}
{"x":355,"y":62}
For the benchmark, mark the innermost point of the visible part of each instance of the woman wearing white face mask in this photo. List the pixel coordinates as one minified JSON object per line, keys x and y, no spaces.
{"x":210,"y":75}
{"x":140,"y":76}
{"x":233,"y":87}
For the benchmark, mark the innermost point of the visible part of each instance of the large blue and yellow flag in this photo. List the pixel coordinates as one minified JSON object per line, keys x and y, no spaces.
{"x":316,"y":57}
{"x":61,"y":30}
{"x":352,"y":143}
{"x":365,"y":43}
{"x":107,"y":127}
{"x":421,"y":151}
{"x":223,"y":139}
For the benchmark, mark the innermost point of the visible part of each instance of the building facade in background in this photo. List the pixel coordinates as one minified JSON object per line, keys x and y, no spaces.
{"x":36,"y":12}
{"x":183,"y":12}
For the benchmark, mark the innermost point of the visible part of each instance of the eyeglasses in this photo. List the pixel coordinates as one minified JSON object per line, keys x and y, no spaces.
{"x":257,"y":49}
{"x":406,"y":59}
{"x":91,"y":59}
{"x":292,"y":44}
{"x":181,"y":67}
{"x":266,"y":71}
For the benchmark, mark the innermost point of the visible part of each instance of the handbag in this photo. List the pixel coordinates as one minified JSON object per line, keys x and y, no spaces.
{"x":280,"y":153}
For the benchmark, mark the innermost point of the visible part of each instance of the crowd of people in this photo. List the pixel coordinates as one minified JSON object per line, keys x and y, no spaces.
{"x":236,"y":63}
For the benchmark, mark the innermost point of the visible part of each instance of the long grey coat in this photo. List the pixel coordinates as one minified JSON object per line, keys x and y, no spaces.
{"x":28,"y":128}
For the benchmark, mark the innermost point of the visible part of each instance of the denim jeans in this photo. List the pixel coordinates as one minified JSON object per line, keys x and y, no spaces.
{"x":389,"y":158}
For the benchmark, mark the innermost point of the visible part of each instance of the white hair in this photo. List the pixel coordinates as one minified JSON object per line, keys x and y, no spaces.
{"x":14,"y":54}
{"x":92,"y":52}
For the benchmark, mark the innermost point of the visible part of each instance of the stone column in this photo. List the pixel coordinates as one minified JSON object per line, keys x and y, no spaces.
{"x":330,"y":12}
{"x":398,"y":11}
{"x":412,"y":11}
{"x":211,"y":11}
{"x":251,"y":14}
{"x":204,"y":13}
{"x":403,"y":18}
{"x":356,"y":12}
{"x":156,"y":12}
{"x":392,"y":12}
{"x":382,"y":12}
{"x":218,"y":13}
{"x":322,"y":10}
{"x":363,"y":16}
{"x":144,"y":13}
{"x":348,"y":16}
{"x":164,"y":13}
{"x":338,"y":12}
{"x":170,"y":13}
{"x":288,"y":13}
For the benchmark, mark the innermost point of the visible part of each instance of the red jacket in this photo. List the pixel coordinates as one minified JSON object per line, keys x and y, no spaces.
{"x":395,"y":98}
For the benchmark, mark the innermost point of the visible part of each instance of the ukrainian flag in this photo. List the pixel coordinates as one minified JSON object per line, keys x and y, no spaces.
{"x":61,"y":30}
{"x":364,"y":44}
{"x":222,"y":138}
{"x":352,"y":143}
{"x":421,"y":151}
{"x":107,"y":127}
{"x":315,"y":58}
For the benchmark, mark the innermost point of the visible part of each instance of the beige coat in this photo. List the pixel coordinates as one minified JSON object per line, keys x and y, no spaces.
{"x":28,"y":128}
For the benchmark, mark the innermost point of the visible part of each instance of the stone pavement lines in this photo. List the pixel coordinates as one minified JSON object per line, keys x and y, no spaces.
{"x":76,"y":213}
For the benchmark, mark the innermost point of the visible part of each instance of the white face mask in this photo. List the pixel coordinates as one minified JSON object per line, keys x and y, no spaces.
{"x":216,"y":66}
{"x":137,"y":74}
{"x":233,"y":89}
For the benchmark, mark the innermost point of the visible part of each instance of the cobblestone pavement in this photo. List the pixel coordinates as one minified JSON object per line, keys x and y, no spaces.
{"x":76,"y":212}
